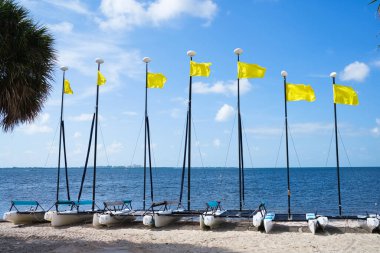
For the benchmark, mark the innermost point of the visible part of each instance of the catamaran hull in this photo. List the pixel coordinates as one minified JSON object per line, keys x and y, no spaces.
{"x":312,"y":224}
{"x":257,"y":219}
{"x":162,"y":220}
{"x":372,"y":224}
{"x":18,"y":218}
{"x":322,"y":222}
{"x":110,"y":219}
{"x":213,"y":221}
{"x":65,"y":218}
{"x":268,"y":225}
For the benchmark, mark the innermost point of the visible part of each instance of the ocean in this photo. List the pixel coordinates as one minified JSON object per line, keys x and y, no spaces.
{"x":312,"y":189}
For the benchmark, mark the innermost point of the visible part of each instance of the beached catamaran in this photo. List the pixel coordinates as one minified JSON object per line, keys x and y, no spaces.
{"x":159,"y":214}
{"x":346,"y":95}
{"x":70,"y":212}
{"x":121,"y":211}
{"x":215,"y":215}
{"x":295,"y":92}
{"x":34,"y":211}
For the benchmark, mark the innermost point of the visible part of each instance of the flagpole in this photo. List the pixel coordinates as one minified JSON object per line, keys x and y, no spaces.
{"x":238,"y":52}
{"x":190,"y":53}
{"x":63,"y":68}
{"x":147,"y":136}
{"x":284,"y":74}
{"x":333,"y":75}
{"x":98,"y":61}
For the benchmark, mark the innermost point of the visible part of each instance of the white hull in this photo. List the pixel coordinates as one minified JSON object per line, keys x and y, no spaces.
{"x":268,"y":222}
{"x":112,"y":218}
{"x":312,"y":224}
{"x":372,"y":223}
{"x":257,"y":219}
{"x":160,"y":219}
{"x":18,"y":218}
{"x":68,"y":218}
{"x":322,"y":222}
{"x":95,"y":220}
{"x":164,"y":220}
{"x":211,"y":219}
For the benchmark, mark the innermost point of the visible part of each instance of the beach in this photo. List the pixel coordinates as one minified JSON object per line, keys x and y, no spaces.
{"x":340,"y":236}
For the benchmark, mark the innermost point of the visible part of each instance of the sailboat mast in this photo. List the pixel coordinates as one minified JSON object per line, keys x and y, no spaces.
{"x":189,"y":144}
{"x":284,"y":74}
{"x":238,"y":52}
{"x":62,"y":138}
{"x":98,"y":61}
{"x":190,"y":54}
{"x":333,"y":75}
{"x":147,"y":137}
{"x":64,"y":68}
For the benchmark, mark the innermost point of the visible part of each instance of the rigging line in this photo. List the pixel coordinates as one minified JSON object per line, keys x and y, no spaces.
{"x":279,"y":147}
{"x":294,"y":147}
{"x":328,"y":153}
{"x":180,"y":147}
{"x":196,"y":137}
{"x":246,"y":140}
{"x":51,"y":145}
{"x":138,"y":137}
{"x":104,"y":144}
{"x":229,"y":143}
{"x":344,"y":147}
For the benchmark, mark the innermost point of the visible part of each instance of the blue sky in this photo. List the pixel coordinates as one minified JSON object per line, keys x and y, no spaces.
{"x":308,"y":39}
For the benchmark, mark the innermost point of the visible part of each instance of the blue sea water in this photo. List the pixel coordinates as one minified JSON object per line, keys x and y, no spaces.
{"x":312,"y":189}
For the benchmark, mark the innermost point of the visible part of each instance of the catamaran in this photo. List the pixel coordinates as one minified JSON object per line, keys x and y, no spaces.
{"x":75,"y":214}
{"x":213,"y":216}
{"x":115,"y":213}
{"x":34,"y":213}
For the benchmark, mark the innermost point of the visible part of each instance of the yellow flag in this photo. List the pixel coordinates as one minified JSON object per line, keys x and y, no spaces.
{"x":156,"y":80}
{"x":296,"y":92}
{"x":101,"y":79}
{"x":246,"y":70}
{"x":199,"y":69}
{"x":66,"y":88}
{"x":345,"y":95}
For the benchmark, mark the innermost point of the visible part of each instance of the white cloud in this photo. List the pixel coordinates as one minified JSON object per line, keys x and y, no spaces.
{"x":77,"y":135}
{"x":127,"y":14}
{"x":225,"y":113}
{"x":130,"y":113}
{"x":115,"y":147}
{"x":216,"y":142}
{"x":298,"y":128}
{"x":63,"y":27}
{"x":84,"y":117}
{"x":376,"y":130}
{"x":72,"y":5}
{"x":175,"y":113}
{"x":356,"y":71}
{"x":38,"y":127}
{"x":222,"y":87}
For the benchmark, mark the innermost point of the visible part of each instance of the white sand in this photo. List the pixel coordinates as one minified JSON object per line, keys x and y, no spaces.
{"x":186,"y":237}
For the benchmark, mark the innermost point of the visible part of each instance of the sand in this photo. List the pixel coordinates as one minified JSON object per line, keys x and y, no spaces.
{"x":340,"y":236}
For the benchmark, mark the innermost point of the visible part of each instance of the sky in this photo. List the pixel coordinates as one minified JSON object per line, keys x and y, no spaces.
{"x":308,"y":39}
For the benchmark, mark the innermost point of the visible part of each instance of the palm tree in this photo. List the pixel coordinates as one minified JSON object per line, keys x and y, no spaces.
{"x":27,"y":59}
{"x":378,"y":7}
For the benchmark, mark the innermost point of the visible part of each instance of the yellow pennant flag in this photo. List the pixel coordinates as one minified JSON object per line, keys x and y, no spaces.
{"x":101,"y":79}
{"x":296,"y":92}
{"x":345,"y":95}
{"x":246,"y":70}
{"x":156,"y":80}
{"x":200,"y":69}
{"x":66,"y":88}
